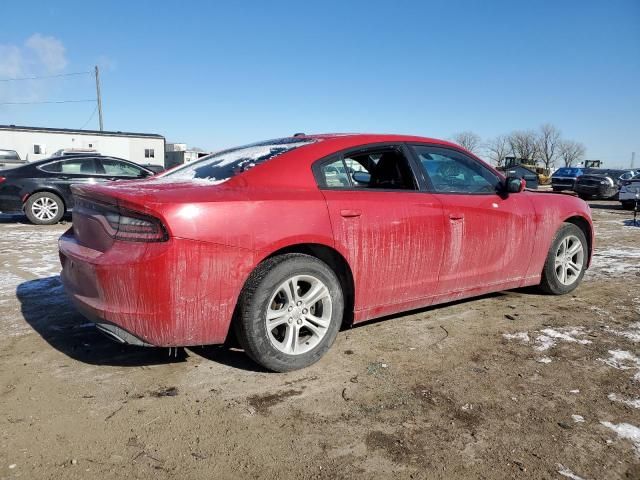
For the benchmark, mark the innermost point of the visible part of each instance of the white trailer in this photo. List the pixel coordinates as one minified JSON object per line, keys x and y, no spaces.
{"x":35,"y":143}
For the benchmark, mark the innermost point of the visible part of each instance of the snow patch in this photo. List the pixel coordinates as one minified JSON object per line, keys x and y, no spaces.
{"x":632,"y":333}
{"x":522,"y":336}
{"x":627,"y":432}
{"x":615,"y":262}
{"x":565,"y":472}
{"x":635,"y":403}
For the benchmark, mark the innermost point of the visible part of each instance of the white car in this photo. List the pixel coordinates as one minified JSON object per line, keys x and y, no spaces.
{"x":630,"y":192}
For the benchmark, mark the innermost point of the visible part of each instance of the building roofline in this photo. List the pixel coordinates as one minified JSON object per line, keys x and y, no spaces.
{"x":79,"y":132}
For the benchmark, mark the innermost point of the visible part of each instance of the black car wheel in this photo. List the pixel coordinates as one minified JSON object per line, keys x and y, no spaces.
{"x":566,"y":261}
{"x":44,"y":208}
{"x":290,"y":312}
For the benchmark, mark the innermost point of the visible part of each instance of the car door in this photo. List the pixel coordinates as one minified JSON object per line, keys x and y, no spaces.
{"x":64,"y":173}
{"x":116,"y":169}
{"x":489,"y":235}
{"x":390,"y":230}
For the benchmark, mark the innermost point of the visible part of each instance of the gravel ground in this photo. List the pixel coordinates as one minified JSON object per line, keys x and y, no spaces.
{"x":511,"y":385}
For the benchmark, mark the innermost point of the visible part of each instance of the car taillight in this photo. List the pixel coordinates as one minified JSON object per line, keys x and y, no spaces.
{"x":2,"y":179}
{"x":135,"y":227}
{"x":123,"y":224}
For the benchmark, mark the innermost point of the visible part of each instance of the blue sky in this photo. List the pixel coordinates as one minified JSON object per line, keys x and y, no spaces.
{"x":216,"y":74}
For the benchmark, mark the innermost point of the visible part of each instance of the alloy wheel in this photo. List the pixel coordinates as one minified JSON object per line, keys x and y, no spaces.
{"x":298,"y":314}
{"x":569,"y":260}
{"x":45,"y":208}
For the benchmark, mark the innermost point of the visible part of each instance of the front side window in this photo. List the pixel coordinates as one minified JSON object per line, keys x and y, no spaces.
{"x":120,"y":169}
{"x":450,"y":171}
{"x":221,"y":166}
{"x":386,"y":168}
{"x":75,"y":166}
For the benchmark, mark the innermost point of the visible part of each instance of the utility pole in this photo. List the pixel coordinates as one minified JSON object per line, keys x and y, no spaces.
{"x":99,"y":97}
{"x":633,"y":159}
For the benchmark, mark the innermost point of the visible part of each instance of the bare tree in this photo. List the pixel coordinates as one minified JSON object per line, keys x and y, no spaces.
{"x":548,"y":145}
{"x":468,"y":140}
{"x":570,"y":152}
{"x":524,"y":145}
{"x":497,"y":149}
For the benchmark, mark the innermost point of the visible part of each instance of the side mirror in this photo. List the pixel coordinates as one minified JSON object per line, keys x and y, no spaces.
{"x":361,"y":177}
{"x":515,"y":184}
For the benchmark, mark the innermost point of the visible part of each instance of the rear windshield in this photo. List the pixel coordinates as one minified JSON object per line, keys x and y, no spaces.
{"x":9,"y":155}
{"x":221,"y":166}
{"x":568,"y":172}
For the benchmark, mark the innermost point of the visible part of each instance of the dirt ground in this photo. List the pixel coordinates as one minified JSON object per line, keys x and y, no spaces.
{"x":511,"y":385}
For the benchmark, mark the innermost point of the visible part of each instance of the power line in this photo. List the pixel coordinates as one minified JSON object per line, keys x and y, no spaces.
{"x":38,"y":77}
{"x":41,"y":103}
{"x":90,"y":118}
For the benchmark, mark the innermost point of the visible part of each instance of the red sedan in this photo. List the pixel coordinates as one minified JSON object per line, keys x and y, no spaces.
{"x":284,"y":241}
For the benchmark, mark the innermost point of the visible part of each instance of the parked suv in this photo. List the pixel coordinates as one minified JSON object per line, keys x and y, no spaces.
{"x":629,"y":192}
{"x":565,"y":178}
{"x":10,"y":159}
{"x":601,"y":183}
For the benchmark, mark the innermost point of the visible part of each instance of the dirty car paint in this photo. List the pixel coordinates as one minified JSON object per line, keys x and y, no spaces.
{"x":404,"y":250}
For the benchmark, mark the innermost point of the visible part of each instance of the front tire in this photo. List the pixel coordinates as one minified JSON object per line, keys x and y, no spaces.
{"x":44,"y":208}
{"x":566,"y":261}
{"x":290,"y":312}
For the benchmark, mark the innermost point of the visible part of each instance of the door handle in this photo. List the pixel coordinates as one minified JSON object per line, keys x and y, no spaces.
{"x":350,"y":213}
{"x":456,"y":216}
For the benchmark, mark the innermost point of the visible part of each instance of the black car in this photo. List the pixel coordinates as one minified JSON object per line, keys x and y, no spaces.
{"x":42,"y":189}
{"x":565,"y":178}
{"x":601,"y":183}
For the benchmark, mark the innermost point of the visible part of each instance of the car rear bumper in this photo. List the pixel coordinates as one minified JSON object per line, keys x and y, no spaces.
{"x":175,"y":293}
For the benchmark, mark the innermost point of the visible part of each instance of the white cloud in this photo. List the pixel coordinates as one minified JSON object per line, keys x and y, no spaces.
{"x":38,"y":55}
{"x":11,"y":61}
{"x":49,"y":51}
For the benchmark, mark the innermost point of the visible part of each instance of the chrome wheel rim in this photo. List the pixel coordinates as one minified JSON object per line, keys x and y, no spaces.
{"x":44,"y":208}
{"x":298,"y":314}
{"x":569,"y":260}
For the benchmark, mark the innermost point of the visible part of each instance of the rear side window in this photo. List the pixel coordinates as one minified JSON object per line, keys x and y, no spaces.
{"x":74,"y":166}
{"x":335,"y":174}
{"x":450,"y":171}
{"x":221,"y":166}
{"x":120,"y":169}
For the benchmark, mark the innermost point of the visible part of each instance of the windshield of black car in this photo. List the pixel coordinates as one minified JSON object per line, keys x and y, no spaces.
{"x":221,"y":166}
{"x":567,"y":172}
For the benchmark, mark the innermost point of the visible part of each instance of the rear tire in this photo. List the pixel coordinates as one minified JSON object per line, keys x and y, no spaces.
{"x":44,"y":208}
{"x":566,"y":261}
{"x":290,"y":312}
{"x":628,"y":205}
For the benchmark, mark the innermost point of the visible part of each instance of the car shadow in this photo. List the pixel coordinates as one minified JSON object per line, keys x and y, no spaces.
{"x":632,"y":223}
{"x":606,"y":206}
{"x":48,"y":310}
